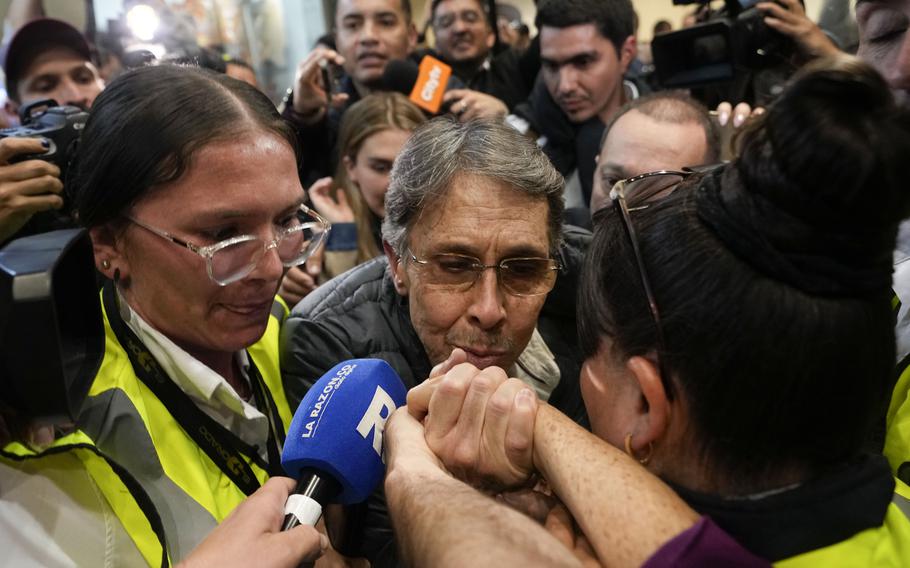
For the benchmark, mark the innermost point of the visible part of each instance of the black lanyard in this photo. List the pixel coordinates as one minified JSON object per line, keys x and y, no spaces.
{"x":220,"y":444}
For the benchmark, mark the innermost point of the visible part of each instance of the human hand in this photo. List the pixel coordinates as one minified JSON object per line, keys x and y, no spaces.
{"x":560,"y":524}
{"x":336,"y":210}
{"x":507,"y":34}
{"x":480,"y":424}
{"x":789,"y":18}
{"x":310,"y":91}
{"x":299,"y":281}
{"x":740,"y":113}
{"x":27,"y":187}
{"x":468,"y":104}
{"x":251,"y":535}
{"x":404,"y":446}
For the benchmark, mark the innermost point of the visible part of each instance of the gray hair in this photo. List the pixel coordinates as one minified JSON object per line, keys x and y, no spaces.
{"x":443,"y":149}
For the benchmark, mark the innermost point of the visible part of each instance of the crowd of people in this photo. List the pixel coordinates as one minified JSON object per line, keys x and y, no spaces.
{"x":635,"y":331}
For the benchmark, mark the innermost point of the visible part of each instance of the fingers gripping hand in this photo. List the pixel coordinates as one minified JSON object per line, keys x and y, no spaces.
{"x":480,"y":424}
{"x":419,"y":396}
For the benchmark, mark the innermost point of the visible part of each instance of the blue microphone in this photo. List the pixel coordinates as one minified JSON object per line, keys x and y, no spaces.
{"x":334,"y":445}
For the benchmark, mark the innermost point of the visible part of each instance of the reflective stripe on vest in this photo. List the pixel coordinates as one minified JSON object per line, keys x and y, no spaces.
{"x":190,"y":491}
{"x":122,"y":492}
{"x":887,"y":545}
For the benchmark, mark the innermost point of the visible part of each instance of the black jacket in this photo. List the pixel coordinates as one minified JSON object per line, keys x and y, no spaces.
{"x":359,"y":314}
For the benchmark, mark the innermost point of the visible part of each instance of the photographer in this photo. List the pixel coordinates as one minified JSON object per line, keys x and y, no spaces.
{"x":45,"y":59}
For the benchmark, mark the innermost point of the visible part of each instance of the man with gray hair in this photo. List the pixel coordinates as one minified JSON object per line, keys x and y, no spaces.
{"x":476,"y":260}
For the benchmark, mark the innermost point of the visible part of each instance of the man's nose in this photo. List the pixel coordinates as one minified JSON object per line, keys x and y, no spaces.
{"x":899,"y":75}
{"x":567,"y":79}
{"x":487,"y":308}
{"x":70,"y":93}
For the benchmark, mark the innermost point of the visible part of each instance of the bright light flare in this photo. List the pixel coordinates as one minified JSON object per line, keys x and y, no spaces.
{"x":143,"y":21}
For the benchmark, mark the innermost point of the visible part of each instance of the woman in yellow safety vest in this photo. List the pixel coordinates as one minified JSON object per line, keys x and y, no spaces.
{"x":738,"y":325}
{"x":187,"y":181}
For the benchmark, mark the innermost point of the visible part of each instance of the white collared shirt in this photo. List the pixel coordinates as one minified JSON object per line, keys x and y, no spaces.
{"x":209,"y":390}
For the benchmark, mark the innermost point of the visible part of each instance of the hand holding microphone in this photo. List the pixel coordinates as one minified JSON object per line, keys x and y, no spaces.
{"x":334,"y":444}
{"x":432,"y":87}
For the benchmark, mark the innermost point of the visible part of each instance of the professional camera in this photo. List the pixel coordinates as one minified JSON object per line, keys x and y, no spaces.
{"x":731,"y":45}
{"x":62,"y":127}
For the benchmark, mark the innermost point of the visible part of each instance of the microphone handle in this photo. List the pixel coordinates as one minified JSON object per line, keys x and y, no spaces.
{"x":314,"y":489}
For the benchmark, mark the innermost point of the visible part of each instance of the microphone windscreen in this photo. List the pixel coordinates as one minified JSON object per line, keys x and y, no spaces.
{"x":400,"y":75}
{"x":338,"y":426}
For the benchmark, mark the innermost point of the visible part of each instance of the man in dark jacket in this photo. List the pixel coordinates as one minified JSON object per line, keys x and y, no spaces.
{"x":476,"y":259}
{"x":585,"y":49}
{"x":465,"y":39}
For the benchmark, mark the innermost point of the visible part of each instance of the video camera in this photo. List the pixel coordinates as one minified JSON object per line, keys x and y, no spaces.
{"x":51,"y":330}
{"x":728,"y":43}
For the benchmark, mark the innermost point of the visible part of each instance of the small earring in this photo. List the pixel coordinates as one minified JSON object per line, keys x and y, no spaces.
{"x":116,"y":275}
{"x":631,"y":452}
{"x":105,"y":264}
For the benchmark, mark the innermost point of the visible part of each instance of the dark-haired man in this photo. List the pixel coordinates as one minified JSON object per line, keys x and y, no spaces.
{"x":45,"y":59}
{"x":585,"y":49}
{"x":368,"y":34}
{"x":465,"y":40}
{"x":50,"y":59}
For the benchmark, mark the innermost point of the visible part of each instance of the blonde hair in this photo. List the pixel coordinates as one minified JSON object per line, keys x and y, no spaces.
{"x":373,"y":114}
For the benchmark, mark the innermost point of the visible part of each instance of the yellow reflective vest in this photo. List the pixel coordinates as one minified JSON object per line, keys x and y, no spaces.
{"x":886,"y":545}
{"x":123,"y":494}
{"x":190,"y":493}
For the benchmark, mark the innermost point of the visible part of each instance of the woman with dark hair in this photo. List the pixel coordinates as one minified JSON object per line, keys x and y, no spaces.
{"x":187,"y":181}
{"x":739,"y":340}
{"x":739,"y":343}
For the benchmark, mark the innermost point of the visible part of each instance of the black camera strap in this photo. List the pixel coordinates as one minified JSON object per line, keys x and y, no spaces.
{"x":224,"y":448}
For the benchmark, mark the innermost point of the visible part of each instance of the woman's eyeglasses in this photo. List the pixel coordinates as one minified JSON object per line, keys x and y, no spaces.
{"x":232,"y":259}
{"x":633,"y":194}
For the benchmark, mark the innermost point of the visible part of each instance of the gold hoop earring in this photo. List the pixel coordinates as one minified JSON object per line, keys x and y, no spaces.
{"x":105,"y":264}
{"x":631,"y":452}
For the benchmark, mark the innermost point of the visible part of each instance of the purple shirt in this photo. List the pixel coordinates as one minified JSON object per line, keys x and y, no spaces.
{"x":704,"y":544}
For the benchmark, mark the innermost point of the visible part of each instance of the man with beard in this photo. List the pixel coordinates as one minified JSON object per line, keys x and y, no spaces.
{"x":45,"y":59}
{"x":476,"y":259}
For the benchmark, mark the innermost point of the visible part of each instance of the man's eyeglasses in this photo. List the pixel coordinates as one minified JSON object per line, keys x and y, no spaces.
{"x":518,"y":276}
{"x":634,"y":194}
{"x":232,"y":259}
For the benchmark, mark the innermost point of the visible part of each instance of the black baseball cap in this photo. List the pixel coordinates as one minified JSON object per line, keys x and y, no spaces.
{"x":34,"y":38}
